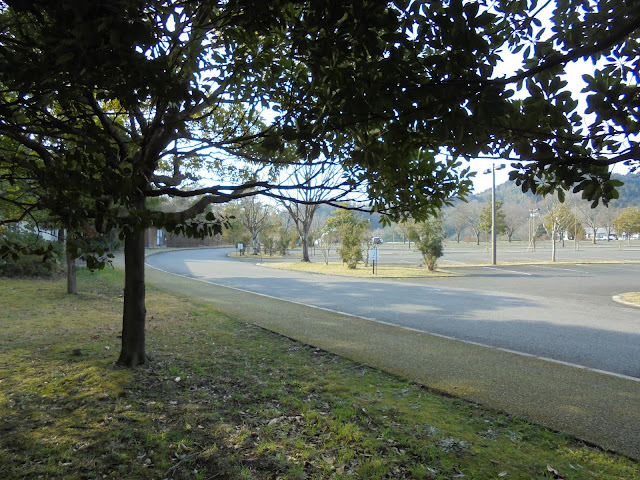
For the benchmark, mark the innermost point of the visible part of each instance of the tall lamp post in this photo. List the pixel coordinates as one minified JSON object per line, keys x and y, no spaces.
{"x":492,"y":171}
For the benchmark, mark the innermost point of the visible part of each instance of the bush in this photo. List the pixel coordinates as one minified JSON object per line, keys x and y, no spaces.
{"x":351,"y":249}
{"x":429,"y":238}
{"x":28,"y":255}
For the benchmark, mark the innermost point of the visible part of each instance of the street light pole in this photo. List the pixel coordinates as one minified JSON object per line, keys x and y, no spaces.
{"x":493,"y":209}
{"x":493,"y":215}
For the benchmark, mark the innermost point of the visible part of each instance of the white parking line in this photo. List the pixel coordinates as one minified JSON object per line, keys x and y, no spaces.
{"x":559,"y":268}
{"x":505,"y":270}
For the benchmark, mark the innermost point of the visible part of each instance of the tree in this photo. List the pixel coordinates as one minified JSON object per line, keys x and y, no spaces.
{"x":471,"y":213}
{"x":108,"y":104}
{"x":324,"y":181}
{"x":352,"y":232}
{"x":514,"y":215}
{"x":255,"y":217}
{"x":609,"y":215}
{"x":429,"y":239}
{"x":559,"y":218}
{"x":236,"y":232}
{"x":485,"y":221}
{"x":628,"y":222}
{"x":456,"y":221}
{"x":592,"y":218}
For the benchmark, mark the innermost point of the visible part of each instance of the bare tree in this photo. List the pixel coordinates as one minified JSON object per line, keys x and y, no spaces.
{"x":609,"y":215}
{"x":471,"y":213}
{"x":559,"y":218}
{"x":593,"y":218}
{"x":456,"y":220}
{"x":326,"y":185}
{"x":254,"y":216}
{"x":514,"y":217}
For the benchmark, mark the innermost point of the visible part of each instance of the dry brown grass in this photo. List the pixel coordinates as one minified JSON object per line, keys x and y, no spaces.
{"x":338,"y":268}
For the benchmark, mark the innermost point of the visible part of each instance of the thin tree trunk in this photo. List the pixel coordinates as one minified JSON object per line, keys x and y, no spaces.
{"x":72,"y":280}
{"x":133,"y":318}
{"x":304,"y":240}
{"x":553,"y":247}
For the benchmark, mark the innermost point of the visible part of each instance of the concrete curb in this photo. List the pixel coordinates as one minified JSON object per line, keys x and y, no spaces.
{"x":618,"y":299}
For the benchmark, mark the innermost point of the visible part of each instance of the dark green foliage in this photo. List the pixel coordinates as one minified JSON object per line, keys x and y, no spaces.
{"x":284,"y":240}
{"x":429,"y":239}
{"x":28,"y":255}
{"x":351,"y":232}
{"x":485,"y":218}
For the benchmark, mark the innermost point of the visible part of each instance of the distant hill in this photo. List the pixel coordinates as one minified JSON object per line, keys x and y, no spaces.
{"x":510,"y":193}
{"x":629,"y":192}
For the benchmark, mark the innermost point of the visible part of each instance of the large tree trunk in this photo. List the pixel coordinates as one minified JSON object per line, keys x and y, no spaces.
{"x":256,"y":243}
{"x":303,"y":227}
{"x":133,"y":318}
{"x":305,"y":249}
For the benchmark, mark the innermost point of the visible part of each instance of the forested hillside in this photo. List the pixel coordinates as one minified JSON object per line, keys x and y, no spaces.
{"x":510,"y":193}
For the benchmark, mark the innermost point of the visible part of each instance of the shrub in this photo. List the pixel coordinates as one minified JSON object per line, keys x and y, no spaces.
{"x":25,"y":254}
{"x":429,"y":239}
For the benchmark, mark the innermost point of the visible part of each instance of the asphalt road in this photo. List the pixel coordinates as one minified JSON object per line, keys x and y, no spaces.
{"x":561,"y":312}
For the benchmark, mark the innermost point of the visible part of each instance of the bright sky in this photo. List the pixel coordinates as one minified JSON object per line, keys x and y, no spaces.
{"x":574,"y":74}
{"x":510,"y":64}
{"x":482,"y":181}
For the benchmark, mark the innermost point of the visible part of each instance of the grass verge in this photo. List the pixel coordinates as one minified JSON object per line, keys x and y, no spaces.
{"x":631,"y":297}
{"x":223,"y":399}
{"x":339,"y":268}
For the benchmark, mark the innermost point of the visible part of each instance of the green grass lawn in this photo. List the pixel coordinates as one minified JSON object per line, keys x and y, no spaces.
{"x":226,"y":400}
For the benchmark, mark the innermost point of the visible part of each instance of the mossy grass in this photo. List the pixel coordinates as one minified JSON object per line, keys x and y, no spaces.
{"x":225,"y":399}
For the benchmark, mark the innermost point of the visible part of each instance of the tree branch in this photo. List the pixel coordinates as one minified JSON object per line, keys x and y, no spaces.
{"x":617,"y":35}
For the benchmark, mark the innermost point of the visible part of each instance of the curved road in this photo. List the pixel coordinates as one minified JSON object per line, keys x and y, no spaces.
{"x":564,"y":313}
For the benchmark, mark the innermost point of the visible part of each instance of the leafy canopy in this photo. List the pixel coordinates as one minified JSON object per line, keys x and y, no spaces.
{"x":106,"y":102}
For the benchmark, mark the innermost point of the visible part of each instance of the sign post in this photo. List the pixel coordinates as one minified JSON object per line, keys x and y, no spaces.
{"x":373,"y":256}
